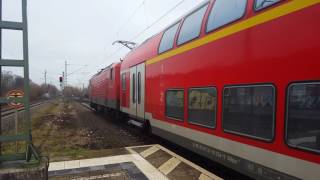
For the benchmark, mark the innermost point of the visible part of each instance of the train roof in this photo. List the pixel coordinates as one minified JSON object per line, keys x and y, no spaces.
{"x":143,"y":52}
{"x":106,"y":68}
{"x":149,"y":48}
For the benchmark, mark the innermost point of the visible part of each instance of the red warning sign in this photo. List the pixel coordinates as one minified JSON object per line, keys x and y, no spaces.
{"x":15,"y":94}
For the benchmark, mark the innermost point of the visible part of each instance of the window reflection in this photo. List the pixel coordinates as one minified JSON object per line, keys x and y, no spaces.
{"x":303,"y":124}
{"x":249,"y":111}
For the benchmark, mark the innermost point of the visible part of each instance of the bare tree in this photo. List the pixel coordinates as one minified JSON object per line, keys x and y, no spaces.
{"x":10,"y":81}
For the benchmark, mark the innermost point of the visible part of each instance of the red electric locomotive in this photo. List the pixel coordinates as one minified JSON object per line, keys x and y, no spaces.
{"x":104,"y":88}
{"x":237,"y":81}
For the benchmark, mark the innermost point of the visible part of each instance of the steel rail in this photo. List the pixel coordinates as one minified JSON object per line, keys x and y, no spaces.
{"x":10,"y":111}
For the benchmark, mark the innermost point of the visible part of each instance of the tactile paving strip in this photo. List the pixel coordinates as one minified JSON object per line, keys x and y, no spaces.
{"x":172,"y":165}
{"x":143,"y":162}
{"x":81,"y":168}
{"x":124,"y":171}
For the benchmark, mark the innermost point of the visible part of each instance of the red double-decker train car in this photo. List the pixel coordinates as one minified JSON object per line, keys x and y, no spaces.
{"x":237,"y":81}
{"x":104,"y":88}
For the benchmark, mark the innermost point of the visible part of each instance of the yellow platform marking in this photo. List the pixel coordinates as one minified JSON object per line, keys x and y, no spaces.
{"x":209,"y":174}
{"x":149,"y":151}
{"x":204,"y":177}
{"x":282,"y":10}
{"x":139,"y":146}
{"x":130,"y":149}
{"x":170,"y":165}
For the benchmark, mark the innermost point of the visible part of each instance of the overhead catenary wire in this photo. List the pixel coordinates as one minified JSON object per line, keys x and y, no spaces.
{"x":118,"y":31}
{"x":145,"y":12}
{"x":130,"y":17}
{"x":158,"y":20}
{"x":84,"y":66}
{"x":141,"y":32}
{"x":108,"y":57}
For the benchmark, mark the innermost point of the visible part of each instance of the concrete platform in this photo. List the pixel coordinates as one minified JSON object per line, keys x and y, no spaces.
{"x":141,"y":162}
{"x":22,"y":170}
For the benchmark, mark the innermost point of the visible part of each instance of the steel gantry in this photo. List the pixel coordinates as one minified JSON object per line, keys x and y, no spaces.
{"x":25,"y":135}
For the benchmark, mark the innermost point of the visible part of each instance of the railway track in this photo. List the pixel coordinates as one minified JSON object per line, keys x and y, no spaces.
{"x":9,"y":111}
{"x":218,"y":169}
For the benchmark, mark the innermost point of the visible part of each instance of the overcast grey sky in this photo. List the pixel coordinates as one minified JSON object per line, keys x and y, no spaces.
{"x":82,"y":32}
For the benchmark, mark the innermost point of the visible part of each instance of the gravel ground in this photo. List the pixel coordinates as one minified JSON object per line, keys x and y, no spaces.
{"x":209,"y":165}
{"x":106,"y":133}
{"x":69,"y":131}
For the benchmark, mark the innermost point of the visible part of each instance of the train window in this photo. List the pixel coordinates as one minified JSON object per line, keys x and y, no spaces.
{"x":202,"y":106}
{"x":168,"y":38}
{"x":111,"y":73}
{"x":303,"y":116}
{"x":249,"y":111}
{"x":123,"y":81}
{"x":175,"y":104}
{"x":225,"y":12}
{"x":191,"y":27}
{"x":261,"y":4}
{"x":139,"y":87}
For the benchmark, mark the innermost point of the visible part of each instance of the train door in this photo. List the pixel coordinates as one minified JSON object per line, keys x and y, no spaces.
{"x":137,"y":91}
{"x":133,"y":93}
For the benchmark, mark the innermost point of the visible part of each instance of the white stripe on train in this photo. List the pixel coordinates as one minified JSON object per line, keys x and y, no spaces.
{"x":286,"y":164}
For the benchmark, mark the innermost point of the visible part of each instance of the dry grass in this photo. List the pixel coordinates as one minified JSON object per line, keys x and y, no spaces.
{"x":56,"y":135}
{"x":67,"y":131}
